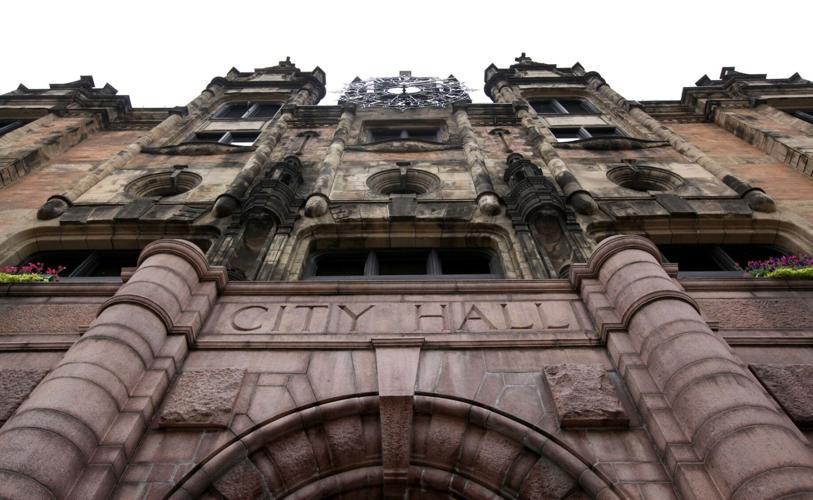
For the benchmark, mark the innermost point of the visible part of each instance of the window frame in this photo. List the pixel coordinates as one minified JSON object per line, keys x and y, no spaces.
{"x":584,"y":132}
{"x":403,"y":133}
{"x":718,"y":254}
{"x":225,"y":136}
{"x":251,"y":112}
{"x":10,"y":126}
{"x":88,"y":264}
{"x":434,"y":270}
{"x":802,"y":114}
{"x":589,"y":109}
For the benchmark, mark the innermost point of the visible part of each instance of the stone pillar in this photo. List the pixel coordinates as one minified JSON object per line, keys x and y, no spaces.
{"x":487,"y":199}
{"x":756,"y":197}
{"x":74,"y":435}
{"x":317,"y":203}
{"x":228,"y":202}
{"x":57,"y":204}
{"x":735,"y":431}
{"x":576,"y":195}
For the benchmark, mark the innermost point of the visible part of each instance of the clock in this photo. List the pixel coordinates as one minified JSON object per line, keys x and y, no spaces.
{"x":404,"y":92}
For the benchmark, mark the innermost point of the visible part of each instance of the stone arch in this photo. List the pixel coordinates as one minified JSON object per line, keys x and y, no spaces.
{"x":336,"y":449}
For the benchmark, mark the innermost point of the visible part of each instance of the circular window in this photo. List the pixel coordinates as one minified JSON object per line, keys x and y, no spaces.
{"x":403,"y":181}
{"x":644,"y":178}
{"x":163,"y":184}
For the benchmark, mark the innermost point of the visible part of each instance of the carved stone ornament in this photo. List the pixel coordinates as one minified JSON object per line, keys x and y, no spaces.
{"x":404,"y":92}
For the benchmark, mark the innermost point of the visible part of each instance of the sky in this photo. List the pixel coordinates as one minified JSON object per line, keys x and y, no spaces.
{"x":163,"y":53}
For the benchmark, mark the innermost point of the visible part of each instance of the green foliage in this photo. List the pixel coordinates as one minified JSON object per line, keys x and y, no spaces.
{"x":25,"y":278}
{"x":791,"y":273}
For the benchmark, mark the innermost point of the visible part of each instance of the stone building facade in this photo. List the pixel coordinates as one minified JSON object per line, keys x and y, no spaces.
{"x":407,"y":295}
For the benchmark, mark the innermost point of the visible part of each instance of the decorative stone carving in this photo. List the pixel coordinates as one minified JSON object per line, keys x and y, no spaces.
{"x":584,"y":396}
{"x":644,"y":178}
{"x":202,"y":399}
{"x":167,"y":183}
{"x":15,"y":385}
{"x":791,"y":386}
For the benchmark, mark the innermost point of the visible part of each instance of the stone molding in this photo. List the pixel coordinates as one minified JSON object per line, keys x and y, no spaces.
{"x":546,"y":448}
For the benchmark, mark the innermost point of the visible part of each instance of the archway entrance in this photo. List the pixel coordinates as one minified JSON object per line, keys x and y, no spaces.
{"x":339,"y":449}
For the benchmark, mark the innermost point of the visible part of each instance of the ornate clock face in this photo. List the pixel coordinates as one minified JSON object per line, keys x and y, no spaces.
{"x":404,"y":92}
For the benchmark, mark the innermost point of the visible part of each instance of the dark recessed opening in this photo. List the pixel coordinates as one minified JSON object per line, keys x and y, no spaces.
{"x":233,"y":110}
{"x":86,"y":263}
{"x":713,"y":258}
{"x":340,"y":264}
{"x":464,"y":262}
{"x":408,"y":262}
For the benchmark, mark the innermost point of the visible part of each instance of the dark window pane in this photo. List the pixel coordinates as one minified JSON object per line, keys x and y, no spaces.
{"x":384,"y":134}
{"x":265,"y":111}
{"x":209,"y":136}
{"x":742,"y":254}
{"x":692,"y":257}
{"x":7,"y":126}
{"x":341,"y":264}
{"x":233,"y":111}
{"x":464,"y":262}
{"x":426,"y":134}
{"x":545,"y":107}
{"x":243,"y":138}
{"x":70,"y":259}
{"x":806,"y":115}
{"x":87,"y":263}
{"x":575,"y":106}
{"x":109,"y":263}
{"x":566,"y":134}
{"x":603,"y":132}
{"x":406,"y":262}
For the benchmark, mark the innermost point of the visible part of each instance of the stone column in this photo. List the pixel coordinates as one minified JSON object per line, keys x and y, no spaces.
{"x":228,"y":202}
{"x":57,"y":204}
{"x":74,"y":435}
{"x":317,"y":203}
{"x":576,"y":195}
{"x":747,"y":446}
{"x":487,"y":199}
{"x":756,"y":197}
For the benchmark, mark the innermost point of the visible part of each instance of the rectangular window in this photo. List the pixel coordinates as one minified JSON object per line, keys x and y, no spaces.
{"x":412,"y":263}
{"x":7,"y":126}
{"x":233,"y":138}
{"x":699,"y":259}
{"x":568,"y":134}
{"x":571,"y":106}
{"x":247,"y":110}
{"x":87,"y":263}
{"x":803,"y":114}
{"x":393,"y":133}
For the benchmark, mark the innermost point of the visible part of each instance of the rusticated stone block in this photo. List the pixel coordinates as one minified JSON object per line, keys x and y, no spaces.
{"x":46,"y":318}
{"x":791,"y":386}
{"x":202,"y":398}
{"x":584,"y":396}
{"x":15,"y":386}
{"x":758,"y":313}
{"x":243,"y":481}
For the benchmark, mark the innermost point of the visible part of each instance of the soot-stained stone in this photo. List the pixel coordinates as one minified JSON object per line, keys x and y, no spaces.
{"x":202,"y":398}
{"x":584,"y":396}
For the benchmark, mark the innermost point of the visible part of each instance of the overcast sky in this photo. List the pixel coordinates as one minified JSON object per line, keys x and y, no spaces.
{"x":163,"y":53}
